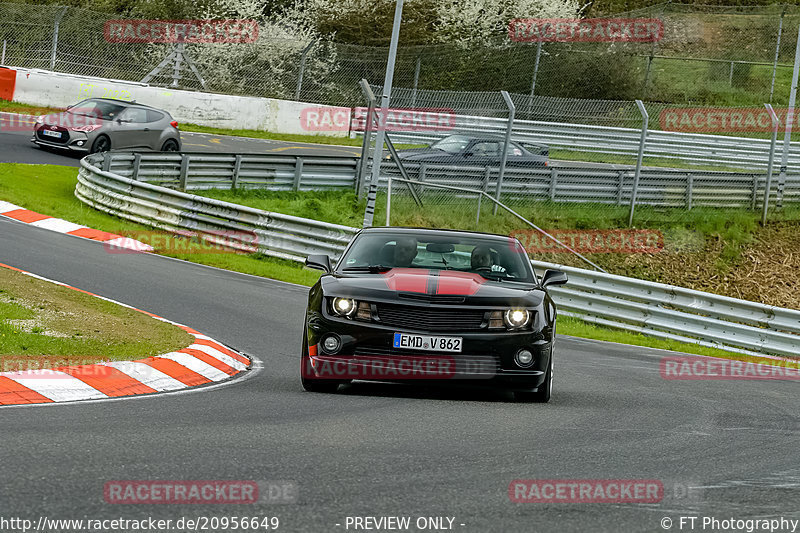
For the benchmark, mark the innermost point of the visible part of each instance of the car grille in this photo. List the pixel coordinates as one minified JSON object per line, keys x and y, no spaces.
{"x":463,"y":363}
{"x":430,"y":318}
{"x":64,"y":134}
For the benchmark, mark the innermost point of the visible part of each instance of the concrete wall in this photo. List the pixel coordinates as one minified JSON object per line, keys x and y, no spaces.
{"x":53,"y":89}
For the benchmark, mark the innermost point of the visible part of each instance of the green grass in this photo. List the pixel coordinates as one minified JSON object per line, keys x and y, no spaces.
{"x":39,"y":318}
{"x":259,"y":134}
{"x":49,"y":189}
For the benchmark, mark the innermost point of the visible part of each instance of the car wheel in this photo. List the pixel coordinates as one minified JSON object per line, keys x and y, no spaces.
{"x":101,"y":144}
{"x":170,"y":145}
{"x":313,"y":385}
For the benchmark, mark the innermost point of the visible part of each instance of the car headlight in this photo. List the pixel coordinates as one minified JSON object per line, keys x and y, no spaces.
{"x":344,"y":306}
{"x":516,"y":318}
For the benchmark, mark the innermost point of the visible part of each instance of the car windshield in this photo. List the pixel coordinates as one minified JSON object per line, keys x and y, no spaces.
{"x":492,"y":258}
{"x":97,"y":108}
{"x":452,"y":144}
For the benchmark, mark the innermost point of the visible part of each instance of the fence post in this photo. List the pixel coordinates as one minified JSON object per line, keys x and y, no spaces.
{"x":302,"y":69}
{"x":369,"y":210}
{"x":774,"y":139}
{"x":553,"y":183}
{"x":184,"y":171}
{"x":298,"y":173}
{"x":536,"y":65}
{"x":362,"y":166}
{"x":423,"y":168}
{"x":389,"y":200}
{"x":237,"y":167}
{"x":689,"y":187}
{"x":620,"y":185}
{"x":506,"y":145}
{"x":754,"y":199}
{"x":57,"y":23}
{"x":638,"y":171}
{"x":787,"y":139}
{"x":777,"y":50}
{"x":730,"y":77}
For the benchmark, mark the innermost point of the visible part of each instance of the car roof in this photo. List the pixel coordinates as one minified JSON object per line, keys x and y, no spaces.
{"x":435,"y":231}
{"x":128,"y":103}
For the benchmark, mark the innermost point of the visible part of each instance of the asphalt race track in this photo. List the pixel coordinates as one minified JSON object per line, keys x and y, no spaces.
{"x":16,"y":147}
{"x":391,"y":450}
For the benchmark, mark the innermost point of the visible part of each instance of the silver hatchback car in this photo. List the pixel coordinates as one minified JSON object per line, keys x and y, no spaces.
{"x":102,"y":124}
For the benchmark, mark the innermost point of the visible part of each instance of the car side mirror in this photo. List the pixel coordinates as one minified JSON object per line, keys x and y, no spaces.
{"x":319,"y":262}
{"x":554,"y":277}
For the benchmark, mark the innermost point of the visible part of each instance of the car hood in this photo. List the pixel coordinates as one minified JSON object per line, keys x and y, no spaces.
{"x":421,"y":286}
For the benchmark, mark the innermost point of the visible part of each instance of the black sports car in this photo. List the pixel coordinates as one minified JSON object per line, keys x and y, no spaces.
{"x":408,"y":303}
{"x":480,"y":150}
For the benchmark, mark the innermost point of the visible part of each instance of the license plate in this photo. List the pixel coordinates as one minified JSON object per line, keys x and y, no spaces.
{"x":427,"y":343}
{"x":49,"y":133}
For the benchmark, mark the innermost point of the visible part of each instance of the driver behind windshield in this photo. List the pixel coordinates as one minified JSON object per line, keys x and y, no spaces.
{"x":481,"y":257}
{"x":405,"y":251}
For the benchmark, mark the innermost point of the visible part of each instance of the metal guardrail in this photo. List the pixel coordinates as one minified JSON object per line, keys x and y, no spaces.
{"x":694,"y":148}
{"x":276,"y":234}
{"x":657,"y":187}
{"x":200,"y":171}
{"x":630,"y":304}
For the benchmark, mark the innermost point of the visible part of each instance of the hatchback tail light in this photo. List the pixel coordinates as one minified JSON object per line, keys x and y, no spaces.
{"x":174,"y":123}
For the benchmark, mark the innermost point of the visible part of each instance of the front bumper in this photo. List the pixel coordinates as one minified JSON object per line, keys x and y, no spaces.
{"x":78,"y":142}
{"x":487,"y":356}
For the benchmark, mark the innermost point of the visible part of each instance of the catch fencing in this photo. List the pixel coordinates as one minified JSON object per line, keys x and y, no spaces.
{"x":749,"y":59}
{"x":653,"y":309}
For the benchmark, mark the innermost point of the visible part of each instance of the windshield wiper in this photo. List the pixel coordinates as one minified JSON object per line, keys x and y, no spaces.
{"x":373,"y":269}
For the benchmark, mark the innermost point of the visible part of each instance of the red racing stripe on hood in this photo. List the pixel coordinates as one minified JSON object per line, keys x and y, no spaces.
{"x":461,"y":283}
{"x":407,"y":279}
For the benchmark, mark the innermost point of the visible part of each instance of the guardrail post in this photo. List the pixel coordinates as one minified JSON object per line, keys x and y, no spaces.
{"x":637,"y":173}
{"x":137,"y":160}
{"x":298,"y":173}
{"x":423,"y":167}
{"x":620,"y":186}
{"x":237,"y":167}
{"x":689,"y":186}
{"x":754,"y":199}
{"x":553,"y":183}
{"x":184,"y":171}
{"x":106,"y":161}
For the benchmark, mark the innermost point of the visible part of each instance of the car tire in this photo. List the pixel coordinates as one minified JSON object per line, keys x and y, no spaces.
{"x":314,"y":385}
{"x":101,"y":144}
{"x":170,"y":145}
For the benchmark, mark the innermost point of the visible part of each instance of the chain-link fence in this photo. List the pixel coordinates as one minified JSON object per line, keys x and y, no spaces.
{"x":708,"y":54}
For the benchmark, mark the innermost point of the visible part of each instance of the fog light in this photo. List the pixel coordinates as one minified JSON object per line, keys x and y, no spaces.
{"x":524,"y":358}
{"x":79,"y":143}
{"x":331,"y":344}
